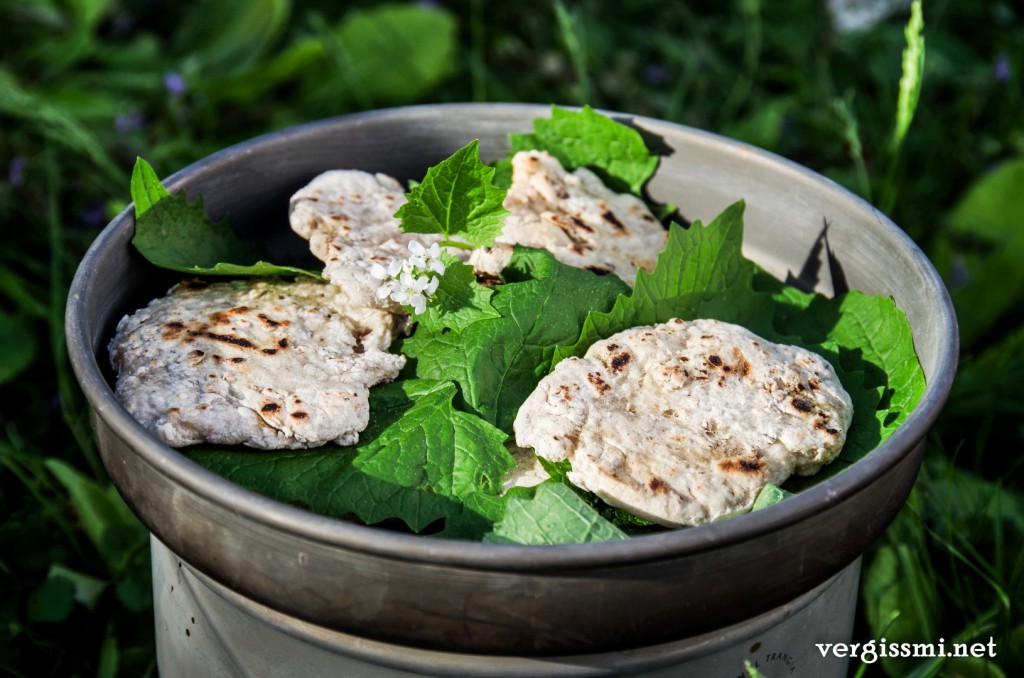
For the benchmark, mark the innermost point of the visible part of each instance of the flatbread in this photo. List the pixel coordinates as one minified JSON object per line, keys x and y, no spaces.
{"x":527,"y":471}
{"x":271,"y":365}
{"x":348,"y":218}
{"x":578,"y":219}
{"x":683,"y":423}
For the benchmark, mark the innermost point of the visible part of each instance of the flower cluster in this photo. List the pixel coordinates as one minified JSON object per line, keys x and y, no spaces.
{"x":410,"y":281}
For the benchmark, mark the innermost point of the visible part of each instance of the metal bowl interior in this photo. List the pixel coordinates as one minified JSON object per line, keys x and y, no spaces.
{"x":499,"y":598}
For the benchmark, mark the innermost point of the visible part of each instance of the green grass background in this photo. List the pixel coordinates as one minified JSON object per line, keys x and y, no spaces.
{"x":87,"y":85}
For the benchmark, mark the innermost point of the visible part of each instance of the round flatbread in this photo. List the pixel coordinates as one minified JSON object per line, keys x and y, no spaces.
{"x":683,"y":423}
{"x":266,"y":364}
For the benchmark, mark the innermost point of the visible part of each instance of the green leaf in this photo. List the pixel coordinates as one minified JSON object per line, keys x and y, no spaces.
{"x":769,"y":494}
{"x":630,"y":524}
{"x":416,"y":462}
{"x":135,"y":591}
{"x":990,"y":222}
{"x":260,"y":268}
{"x":752,"y":671}
{"x":459,"y":299}
{"x":990,"y":209}
{"x":97,"y":507}
{"x":146,"y":188}
{"x":435,"y":447}
{"x":87,"y":589}
{"x":701,"y":273}
{"x":397,"y":53}
{"x":457,"y":198}
{"x":52,"y":600}
{"x":497,"y":362}
{"x":551,"y":513}
{"x":614,"y":151}
{"x":390,"y":54}
{"x":17,"y":345}
{"x":871,"y":332}
{"x":110,"y":656}
{"x":502,"y":172}
{"x":173,"y":233}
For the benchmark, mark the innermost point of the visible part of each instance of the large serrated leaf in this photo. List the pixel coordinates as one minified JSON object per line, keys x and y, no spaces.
{"x":585,"y":138}
{"x":416,"y":462}
{"x":175,"y":234}
{"x":457,"y":198}
{"x":497,"y":362}
{"x":701,"y":273}
{"x":551,"y":513}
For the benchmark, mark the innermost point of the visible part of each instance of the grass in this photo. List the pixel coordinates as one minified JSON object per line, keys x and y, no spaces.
{"x":86,"y":87}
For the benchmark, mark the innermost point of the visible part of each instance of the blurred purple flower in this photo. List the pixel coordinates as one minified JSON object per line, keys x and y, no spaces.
{"x":175,"y":84}
{"x":656,"y":74}
{"x":1001,"y":69}
{"x":16,"y":171}
{"x":131,"y":121}
{"x":94,"y":215}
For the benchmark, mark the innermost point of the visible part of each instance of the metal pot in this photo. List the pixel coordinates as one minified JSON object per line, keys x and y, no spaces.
{"x":489,"y":598}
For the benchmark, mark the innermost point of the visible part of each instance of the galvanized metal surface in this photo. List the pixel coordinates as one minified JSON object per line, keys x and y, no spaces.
{"x":499,"y":598}
{"x":204,"y":629}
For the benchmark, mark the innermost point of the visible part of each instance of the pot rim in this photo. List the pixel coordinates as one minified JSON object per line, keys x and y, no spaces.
{"x":504,"y":557}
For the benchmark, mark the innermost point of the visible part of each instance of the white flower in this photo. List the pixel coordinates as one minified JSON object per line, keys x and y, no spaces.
{"x":411,"y":281}
{"x":386,"y":289}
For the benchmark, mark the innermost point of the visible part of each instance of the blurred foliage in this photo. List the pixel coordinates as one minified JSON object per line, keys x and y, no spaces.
{"x":88,"y":85}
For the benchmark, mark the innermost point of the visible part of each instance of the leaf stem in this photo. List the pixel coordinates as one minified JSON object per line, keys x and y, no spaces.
{"x":456,"y":244}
